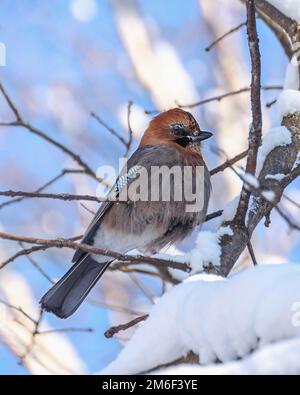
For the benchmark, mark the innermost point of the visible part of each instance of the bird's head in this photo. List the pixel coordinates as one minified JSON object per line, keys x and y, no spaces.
{"x":176,"y":127}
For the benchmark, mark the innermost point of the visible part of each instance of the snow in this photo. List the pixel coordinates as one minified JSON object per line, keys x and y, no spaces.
{"x":288,"y":102}
{"x":291,"y":80}
{"x":276,"y":177}
{"x":207,"y":249}
{"x":251,"y":180}
{"x":290,"y":8}
{"x":269,"y":195}
{"x":297,"y":161}
{"x":280,"y":358}
{"x":227,"y":215}
{"x":221,"y":320}
{"x":277,"y":136}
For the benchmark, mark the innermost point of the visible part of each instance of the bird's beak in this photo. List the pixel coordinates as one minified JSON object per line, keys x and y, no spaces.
{"x":201,"y":135}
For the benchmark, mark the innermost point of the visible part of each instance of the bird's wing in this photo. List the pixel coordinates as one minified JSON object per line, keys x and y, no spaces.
{"x":124,"y":179}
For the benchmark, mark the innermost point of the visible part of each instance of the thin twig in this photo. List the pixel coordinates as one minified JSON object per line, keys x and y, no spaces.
{"x":234,"y":29}
{"x":123,"y":327}
{"x":28,"y":251}
{"x":19,"y":309}
{"x":46,"y":332}
{"x":44,"y":186}
{"x":34,"y":333}
{"x":109,"y":129}
{"x":58,"y":196}
{"x":213,"y":215}
{"x":130,"y":132}
{"x":37,"y":266}
{"x":20,"y":122}
{"x":289,"y":199}
{"x":123,"y":268}
{"x":251,"y":253}
{"x":228,"y":163}
{"x":288,"y":220}
{"x":225,"y":95}
{"x":270,"y":103}
{"x":142,"y":288}
{"x":10,"y":104}
{"x":23,"y":252}
{"x":92,"y":212}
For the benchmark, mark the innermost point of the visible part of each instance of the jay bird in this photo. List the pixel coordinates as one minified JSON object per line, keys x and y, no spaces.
{"x":173,"y":138}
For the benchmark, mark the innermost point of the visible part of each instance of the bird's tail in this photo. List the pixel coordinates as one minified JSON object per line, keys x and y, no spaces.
{"x":64,"y":298}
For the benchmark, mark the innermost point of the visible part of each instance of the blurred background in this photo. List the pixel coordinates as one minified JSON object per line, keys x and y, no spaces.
{"x":68,"y":58}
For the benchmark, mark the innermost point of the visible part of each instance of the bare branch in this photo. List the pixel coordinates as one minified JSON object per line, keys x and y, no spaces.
{"x":251,"y":253}
{"x":68,"y":243}
{"x":37,"y":266}
{"x":58,"y":196}
{"x":110,"y":129}
{"x":213,"y":215}
{"x":77,"y":330}
{"x":228,"y":163}
{"x":20,"y":122}
{"x":234,"y":29}
{"x":256,"y":127}
{"x":46,"y":185}
{"x":225,"y":95}
{"x":19,"y":309}
{"x":11,"y":104}
{"x":28,"y":251}
{"x":288,"y":220}
{"x":289,"y":199}
{"x":23,"y":252}
{"x":286,"y":23}
{"x":130,"y":132}
{"x":123,"y":327}
{"x":271,"y":103}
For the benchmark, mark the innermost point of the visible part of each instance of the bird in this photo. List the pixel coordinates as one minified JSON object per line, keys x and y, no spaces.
{"x":173,"y":138}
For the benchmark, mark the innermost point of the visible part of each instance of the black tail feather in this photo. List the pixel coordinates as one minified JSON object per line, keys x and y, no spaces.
{"x":64,"y":298}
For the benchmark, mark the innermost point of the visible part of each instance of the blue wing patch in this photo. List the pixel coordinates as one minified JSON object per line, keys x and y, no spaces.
{"x":124,"y":179}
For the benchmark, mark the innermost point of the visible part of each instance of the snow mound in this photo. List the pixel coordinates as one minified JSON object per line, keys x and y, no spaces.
{"x":288,"y":102}
{"x":217,"y":320}
{"x":279,"y":358}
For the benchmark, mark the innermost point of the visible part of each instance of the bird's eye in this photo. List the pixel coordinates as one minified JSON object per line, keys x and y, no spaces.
{"x":179,"y":130}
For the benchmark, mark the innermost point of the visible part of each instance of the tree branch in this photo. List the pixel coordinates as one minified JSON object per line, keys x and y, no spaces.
{"x":225,"y":95}
{"x":228,"y":163}
{"x":69,"y":243}
{"x":44,"y":186}
{"x":130,"y":132}
{"x":109,"y":129}
{"x":256,"y":127}
{"x":58,"y":196}
{"x":123,"y":327}
{"x":234,"y":29}
{"x":20,"y":122}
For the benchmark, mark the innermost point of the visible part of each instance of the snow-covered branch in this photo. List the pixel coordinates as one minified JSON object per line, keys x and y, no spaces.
{"x":204,"y":315}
